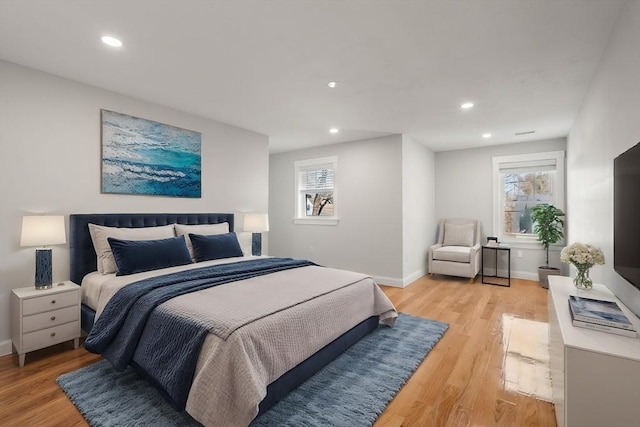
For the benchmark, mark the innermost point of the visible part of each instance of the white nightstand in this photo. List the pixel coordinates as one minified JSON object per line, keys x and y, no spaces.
{"x":40,"y":318}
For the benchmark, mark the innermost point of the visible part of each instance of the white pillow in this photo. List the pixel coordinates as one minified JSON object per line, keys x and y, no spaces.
{"x":458,"y":235}
{"x":204,"y":229}
{"x":100,"y":233}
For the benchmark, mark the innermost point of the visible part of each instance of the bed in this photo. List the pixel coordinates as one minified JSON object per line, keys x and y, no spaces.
{"x":277,"y":353}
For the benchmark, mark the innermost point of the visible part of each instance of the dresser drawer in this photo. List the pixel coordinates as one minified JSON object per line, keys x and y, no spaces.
{"x":49,"y":302}
{"x":50,"y":336}
{"x":49,"y":319}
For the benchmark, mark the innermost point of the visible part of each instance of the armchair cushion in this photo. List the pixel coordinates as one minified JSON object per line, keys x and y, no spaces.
{"x":458,"y":235}
{"x":453,"y":253}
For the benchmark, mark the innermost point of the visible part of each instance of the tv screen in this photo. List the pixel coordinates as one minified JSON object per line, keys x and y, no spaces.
{"x":626,"y":215}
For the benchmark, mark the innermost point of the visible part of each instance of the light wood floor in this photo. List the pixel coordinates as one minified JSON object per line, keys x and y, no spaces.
{"x":461,"y":382}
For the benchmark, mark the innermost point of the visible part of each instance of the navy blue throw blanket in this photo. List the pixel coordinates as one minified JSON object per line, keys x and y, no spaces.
{"x":117,"y":332}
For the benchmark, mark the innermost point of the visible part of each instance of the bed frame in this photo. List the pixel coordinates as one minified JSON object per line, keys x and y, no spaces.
{"x":83,"y":261}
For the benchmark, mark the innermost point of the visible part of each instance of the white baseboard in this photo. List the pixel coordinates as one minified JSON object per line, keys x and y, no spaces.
{"x":5,"y":347}
{"x":401,"y":283}
{"x":527,"y":275}
{"x":397,"y":282}
{"x":413,"y":277}
{"x":389,"y":281}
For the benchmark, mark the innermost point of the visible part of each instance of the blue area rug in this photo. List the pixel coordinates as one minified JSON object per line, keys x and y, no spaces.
{"x":353,"y":390}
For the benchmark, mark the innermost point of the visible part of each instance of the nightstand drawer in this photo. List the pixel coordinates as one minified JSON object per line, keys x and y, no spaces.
{"x":50,"y":336}
{"x":49,"y":302}
{"x":49,"y":319}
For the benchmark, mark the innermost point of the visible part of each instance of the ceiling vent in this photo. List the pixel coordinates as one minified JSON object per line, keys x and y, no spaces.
{"x":525,"y":133}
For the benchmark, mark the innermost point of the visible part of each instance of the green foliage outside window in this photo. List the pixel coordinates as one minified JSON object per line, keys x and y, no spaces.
{"x":523,"y":191}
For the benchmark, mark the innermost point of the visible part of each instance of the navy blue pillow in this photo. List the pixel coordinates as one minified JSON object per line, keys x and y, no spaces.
{"x":217,"y":246}
{"x":136,"y":256}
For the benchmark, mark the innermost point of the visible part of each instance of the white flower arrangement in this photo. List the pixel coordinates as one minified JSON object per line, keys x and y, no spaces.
{"x":582,"y":255}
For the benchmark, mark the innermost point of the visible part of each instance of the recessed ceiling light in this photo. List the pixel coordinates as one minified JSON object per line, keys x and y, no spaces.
{"x":466,"y":105}
{"x":486,"y":135}
{"x":111,"y":41}
{"x":332,"y":84}
{"x":334,"y":130}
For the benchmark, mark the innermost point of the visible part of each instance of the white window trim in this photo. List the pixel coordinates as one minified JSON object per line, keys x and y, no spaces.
{"x":299,"y":218}
{"x":526,"y":242}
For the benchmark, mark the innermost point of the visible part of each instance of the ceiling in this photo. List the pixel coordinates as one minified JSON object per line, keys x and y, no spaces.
{"x":401,"y":66}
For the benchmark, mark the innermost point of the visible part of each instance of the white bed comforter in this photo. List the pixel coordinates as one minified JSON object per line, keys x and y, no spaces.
{"x":263,"y":327}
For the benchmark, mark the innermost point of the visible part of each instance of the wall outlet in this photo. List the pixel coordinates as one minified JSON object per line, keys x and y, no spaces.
{"x":519,"y":254}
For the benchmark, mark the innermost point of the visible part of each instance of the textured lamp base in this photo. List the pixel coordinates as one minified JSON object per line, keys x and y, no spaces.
{"x":43,"y":269}
{"x":256,"y":244}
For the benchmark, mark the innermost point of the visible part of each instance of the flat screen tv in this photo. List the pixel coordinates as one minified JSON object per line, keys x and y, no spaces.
{"x":626,"y":215}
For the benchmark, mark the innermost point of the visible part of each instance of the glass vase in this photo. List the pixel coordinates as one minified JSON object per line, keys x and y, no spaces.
{"x":582,"y":279}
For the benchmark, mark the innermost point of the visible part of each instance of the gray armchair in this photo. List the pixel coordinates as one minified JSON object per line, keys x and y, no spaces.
{"x":457,"y":250}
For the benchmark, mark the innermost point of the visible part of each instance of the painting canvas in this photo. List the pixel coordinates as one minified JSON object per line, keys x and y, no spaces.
{"x":141,"y":156}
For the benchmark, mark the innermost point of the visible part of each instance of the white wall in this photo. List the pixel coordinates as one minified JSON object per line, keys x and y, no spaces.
{"x":50,"y":163}
{"x":418,"y":208}
{"x":464,"y":190}
{"x":368,"y":237}
{"x":608,"y":124}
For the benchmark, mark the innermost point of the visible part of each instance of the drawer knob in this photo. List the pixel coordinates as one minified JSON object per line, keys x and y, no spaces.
{"x":53,"y":301}
{"x":53,"y":318}
{"x":53,"y":334}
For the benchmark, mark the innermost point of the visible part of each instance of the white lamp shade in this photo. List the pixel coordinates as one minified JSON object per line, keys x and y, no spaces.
{"x":43,"y":230}
{"x":256,"y":223}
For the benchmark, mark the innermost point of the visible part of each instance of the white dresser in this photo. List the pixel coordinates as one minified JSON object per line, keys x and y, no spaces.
{"x":40,"y":318}
{"x":595,"y":375}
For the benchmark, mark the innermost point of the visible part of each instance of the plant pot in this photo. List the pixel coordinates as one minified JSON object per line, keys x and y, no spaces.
{"x":544,"y":273}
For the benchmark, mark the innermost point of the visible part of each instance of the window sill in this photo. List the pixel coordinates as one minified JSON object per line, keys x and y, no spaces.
{"x":531,"y":244}
{"x":316,"y":221}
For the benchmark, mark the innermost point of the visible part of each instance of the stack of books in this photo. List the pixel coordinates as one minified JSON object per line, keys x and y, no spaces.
{"x":599,"y":315}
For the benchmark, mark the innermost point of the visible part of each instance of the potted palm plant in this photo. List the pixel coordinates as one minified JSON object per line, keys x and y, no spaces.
{"x":548,"y":225}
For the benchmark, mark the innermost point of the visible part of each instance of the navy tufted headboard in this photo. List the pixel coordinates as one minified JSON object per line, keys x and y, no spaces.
{"x":81,"y":252}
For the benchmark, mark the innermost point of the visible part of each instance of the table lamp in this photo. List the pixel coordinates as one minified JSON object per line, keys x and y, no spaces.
{"x":43,"y":230}
{"x":256,"y":224}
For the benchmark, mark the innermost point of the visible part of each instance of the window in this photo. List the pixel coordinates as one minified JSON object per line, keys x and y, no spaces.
{"x":520,"y":183}
{"x":316,"y":191}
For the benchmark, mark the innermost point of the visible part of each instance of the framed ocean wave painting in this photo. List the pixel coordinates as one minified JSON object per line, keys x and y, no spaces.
{"x":140,"y":156}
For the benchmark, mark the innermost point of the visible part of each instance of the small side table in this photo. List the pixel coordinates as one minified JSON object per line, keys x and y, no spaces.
{"x":41,"y":318}
{"x":496,"y":279}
